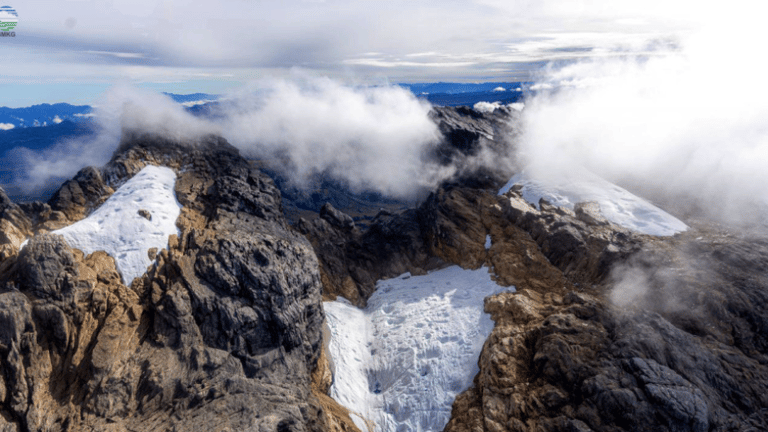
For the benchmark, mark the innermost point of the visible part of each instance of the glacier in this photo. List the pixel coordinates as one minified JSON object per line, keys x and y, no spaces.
{"x":400,"y":362}
{"x":117,"y":228}
{"x":618,"y":205}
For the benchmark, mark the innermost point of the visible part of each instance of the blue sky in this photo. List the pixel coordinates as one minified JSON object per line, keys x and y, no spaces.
{"x":73,"y":50}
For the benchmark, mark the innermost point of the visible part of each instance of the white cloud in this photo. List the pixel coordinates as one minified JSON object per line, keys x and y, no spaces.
{"x":382,"y":63}
{"x":486,"y":107}
{"x":656,"y":124}
{"x":6,"y":126}
{"x":57,"y":119}
{"x":120,"y":108}
{"x":123,"y":55}
{"x":197,"y":102}
{"x":364,"y":39}
{"x":373,"y":138}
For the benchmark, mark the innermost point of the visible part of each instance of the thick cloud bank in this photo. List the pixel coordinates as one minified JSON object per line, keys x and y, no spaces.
{"x":685,"y":125}
{"x":374,"y":138}
{"x":371,"y":138}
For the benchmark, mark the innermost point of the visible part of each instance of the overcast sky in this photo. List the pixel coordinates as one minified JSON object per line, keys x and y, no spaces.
{"x":73,"y":50}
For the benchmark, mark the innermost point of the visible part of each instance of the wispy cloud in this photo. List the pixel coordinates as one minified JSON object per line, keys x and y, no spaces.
{"x":121,"y":55}
{"x":398,"y":38}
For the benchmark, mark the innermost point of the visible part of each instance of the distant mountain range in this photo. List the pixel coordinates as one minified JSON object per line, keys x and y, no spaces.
{"x":53,"y":114}
{"x":458,"y":88}
{"x":441,"y":94}
{"x":458,"y":94}
{"x":41,"y":115}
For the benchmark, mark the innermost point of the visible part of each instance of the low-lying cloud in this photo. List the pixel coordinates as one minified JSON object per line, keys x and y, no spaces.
{"x":121,"y":108}
{"x":370,"y":138}
{"x":685,"y":125}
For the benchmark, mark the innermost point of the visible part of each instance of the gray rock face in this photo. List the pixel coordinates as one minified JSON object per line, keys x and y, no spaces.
{"x":222,"y":333}
{"x":47,"y":267}
{"x":687,"y":353}
{"x":680,"y":400}
{"x":471,"y":140}
{"x":353,"y":259}
{"x":582,"y":244}
{"x":336,"y":218}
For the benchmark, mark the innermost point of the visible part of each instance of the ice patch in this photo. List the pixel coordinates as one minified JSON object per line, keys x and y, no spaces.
{"x":401,"y":361}
{"x":487,"y":242}
{"x":117,"y":227}
{"x":616,"y":204}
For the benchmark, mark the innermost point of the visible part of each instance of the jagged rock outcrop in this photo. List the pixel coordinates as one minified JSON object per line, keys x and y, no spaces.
{"x":450,"y":227}
{"x":478,"y":145}
{"x":686,"y":352}
{"x":14,"y":227}
{"x":609,"y":330}
{"x":222,"y":333}
{"x":353,"y":259}
{"x":581,"y":243}
{"x":76,"y":198}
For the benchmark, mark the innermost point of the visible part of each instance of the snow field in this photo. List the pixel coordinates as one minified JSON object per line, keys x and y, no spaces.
{"x":117,"y":227}
{"x":401,"y":361}
{"x":616,"y":204}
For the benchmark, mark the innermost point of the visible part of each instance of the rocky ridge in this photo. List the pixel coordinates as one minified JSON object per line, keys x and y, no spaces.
{"x":608,"y":330}
{"x":222,"y":333}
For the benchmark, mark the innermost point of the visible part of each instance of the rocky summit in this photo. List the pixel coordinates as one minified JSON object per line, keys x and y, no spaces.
{"x":598,"y":327}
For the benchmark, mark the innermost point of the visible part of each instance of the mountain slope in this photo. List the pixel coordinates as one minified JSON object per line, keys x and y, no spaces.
{"x":223,"y":331}
{"x":608,"y":330}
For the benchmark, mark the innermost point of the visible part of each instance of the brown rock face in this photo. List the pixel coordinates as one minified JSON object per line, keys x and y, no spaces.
{"x":69,"y":326}
{"x":222,"y":333}
{"x":15,"y":226}
{"x":670,"y":359}
{"x":608,"y":330}
{"x":79,"y":196}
